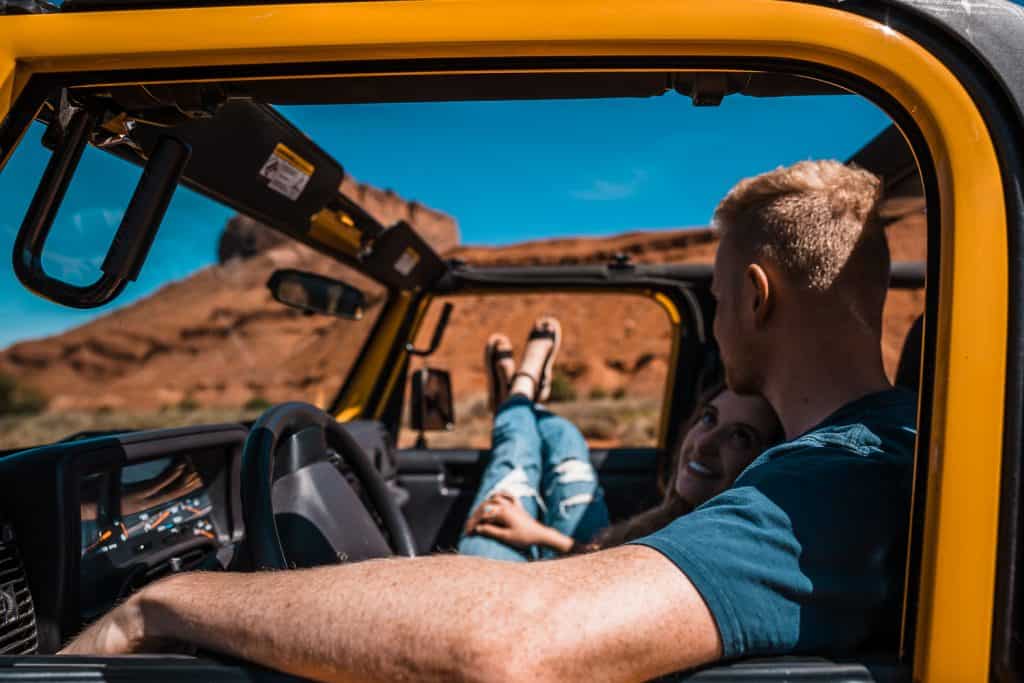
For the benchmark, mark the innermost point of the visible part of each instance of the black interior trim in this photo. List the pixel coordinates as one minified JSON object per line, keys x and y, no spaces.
{"x":904,"y":275}
{"x":155,"y":668}
{"x":700,"y":86}
{"x":888,"y":155}
{"x":798,"y":669}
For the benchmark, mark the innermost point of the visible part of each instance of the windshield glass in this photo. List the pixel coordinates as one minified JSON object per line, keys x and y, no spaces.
{"x":198,"y":339}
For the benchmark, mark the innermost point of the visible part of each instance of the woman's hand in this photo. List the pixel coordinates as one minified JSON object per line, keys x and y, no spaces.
{"x":503,"y":518}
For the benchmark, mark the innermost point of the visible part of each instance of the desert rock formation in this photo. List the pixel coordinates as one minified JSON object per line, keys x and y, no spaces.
{"x":217,"y":339}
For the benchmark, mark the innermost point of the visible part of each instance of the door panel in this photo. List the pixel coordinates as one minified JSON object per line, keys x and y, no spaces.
{"x":442,"y":484}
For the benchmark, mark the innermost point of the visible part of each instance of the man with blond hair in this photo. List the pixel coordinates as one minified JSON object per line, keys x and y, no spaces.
{"x":802,"y":555}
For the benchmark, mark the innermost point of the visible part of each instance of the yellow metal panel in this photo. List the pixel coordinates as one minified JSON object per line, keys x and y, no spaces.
{"x":354,"y":402}
{"x":6,"y":81}
{"x":8,"y":91}
{"x":672,"y":372}
{"x":670,"y":308}
{"x":962,"y":507}
{"x":392,"y":382}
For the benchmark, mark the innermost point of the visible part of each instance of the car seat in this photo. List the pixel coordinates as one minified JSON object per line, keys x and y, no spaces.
{"x":908,"y":372}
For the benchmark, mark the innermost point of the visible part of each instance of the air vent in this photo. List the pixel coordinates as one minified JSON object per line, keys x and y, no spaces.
{"x":18,"y":634}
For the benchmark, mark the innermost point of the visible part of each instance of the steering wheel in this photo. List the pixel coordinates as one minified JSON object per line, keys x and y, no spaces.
{"x":298,"y":508}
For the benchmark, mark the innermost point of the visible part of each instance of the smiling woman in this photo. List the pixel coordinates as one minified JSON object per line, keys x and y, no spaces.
{"x":728,"y":431}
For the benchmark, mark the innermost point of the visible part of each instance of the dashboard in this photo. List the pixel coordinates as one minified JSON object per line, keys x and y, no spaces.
{"x":130,"y":509}
{"x":152,"y":517}
{"x":95,"y":519}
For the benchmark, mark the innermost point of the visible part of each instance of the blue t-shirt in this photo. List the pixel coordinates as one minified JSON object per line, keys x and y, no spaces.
{"x":805,"y":553}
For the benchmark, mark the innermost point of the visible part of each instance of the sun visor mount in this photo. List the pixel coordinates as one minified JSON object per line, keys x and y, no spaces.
{"x":402,"y":259}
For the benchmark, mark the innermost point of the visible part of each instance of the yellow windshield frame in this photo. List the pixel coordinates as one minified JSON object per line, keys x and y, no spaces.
{"x":954,"y":617}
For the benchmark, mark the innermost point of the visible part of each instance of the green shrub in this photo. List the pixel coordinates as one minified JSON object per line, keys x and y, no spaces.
{"x":598,"y":427}
{"x":478,"y":409}
{"x":257,"y":403}
{"x":562,"y":388}
{"x":619,"y":393}
{"x":17,"y":398}
{"x":188,"y":405}
{"x":639,"y":431}
{"x":597,"y":394}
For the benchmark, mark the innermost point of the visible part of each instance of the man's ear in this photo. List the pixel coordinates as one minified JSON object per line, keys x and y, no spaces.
{"x":764,"y":293}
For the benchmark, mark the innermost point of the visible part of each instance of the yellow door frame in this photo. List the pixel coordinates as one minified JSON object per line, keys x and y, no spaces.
{"x":961,"y":516}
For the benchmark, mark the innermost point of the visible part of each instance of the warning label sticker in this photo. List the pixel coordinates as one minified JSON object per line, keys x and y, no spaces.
{"x":407,"y":261}
{"x":286,"y":172}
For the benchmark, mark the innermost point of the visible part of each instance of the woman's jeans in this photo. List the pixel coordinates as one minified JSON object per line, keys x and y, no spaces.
{"x":534,"y":452}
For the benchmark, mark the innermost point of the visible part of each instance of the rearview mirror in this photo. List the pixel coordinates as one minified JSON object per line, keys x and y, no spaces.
{"x":313,"y":293}
{"x":431,"y":404}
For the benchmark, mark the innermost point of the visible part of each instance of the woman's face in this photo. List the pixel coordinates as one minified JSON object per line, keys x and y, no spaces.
{"x":731,"y":430}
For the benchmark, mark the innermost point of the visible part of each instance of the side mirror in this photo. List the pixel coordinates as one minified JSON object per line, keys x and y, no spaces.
{"x":313,"y":293}
{"x":431,"y":405}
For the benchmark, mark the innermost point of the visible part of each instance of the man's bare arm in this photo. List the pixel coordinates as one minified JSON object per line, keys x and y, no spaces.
{"x":622,"y":614}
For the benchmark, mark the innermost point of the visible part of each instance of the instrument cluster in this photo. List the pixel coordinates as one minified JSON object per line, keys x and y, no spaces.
{"x":149,"y":518}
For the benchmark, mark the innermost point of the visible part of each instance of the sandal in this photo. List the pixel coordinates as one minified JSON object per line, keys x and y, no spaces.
{"x":547,"y":327}
{"x":498,"y":349}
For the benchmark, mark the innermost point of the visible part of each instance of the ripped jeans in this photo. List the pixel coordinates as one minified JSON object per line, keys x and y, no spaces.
{"x":543,"y":460}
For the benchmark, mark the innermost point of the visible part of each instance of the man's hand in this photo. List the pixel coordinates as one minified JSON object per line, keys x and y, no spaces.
{"x":503,"y":517}
{"x":119,"y":632}
{"x":127,"y":629}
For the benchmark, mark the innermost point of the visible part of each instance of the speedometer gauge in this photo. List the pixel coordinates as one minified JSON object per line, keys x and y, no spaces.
{"x":156,"y":503}
{"x":157,"y":527}
{"x":152,"y":505}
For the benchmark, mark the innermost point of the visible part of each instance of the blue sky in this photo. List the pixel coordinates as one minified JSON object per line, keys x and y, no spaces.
{"x":508,"y":172}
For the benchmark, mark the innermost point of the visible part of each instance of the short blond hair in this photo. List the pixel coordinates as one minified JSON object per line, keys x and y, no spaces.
{"x":815,"y":220}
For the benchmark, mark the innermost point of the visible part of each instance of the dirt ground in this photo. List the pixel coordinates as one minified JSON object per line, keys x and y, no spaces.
{"x":26,"y":431}
{"x":606,"y":423}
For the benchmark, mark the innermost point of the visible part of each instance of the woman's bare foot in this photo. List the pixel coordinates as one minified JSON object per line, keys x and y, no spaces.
{"x":500,"y":366}
{"x":533,"y":379}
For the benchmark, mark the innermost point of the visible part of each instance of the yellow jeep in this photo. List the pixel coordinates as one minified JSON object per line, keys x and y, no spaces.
{"x":192,"y":93}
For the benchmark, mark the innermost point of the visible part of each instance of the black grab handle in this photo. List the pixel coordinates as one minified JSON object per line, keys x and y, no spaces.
{"x":131,"y":244}
{"x":435,"y":340}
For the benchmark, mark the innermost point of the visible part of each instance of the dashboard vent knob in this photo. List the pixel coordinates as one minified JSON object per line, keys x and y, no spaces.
{"x":18,"y":633}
